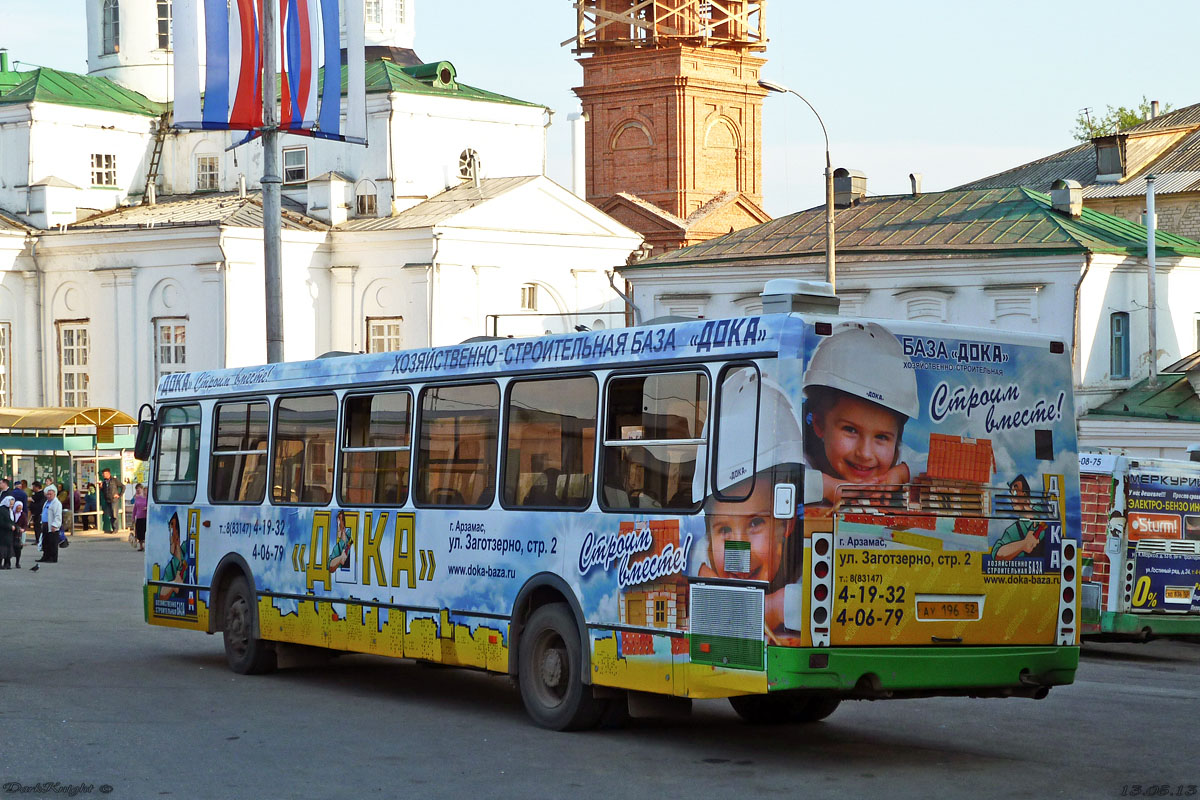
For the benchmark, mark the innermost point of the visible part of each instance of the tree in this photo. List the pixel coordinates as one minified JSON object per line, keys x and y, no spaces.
{"x":1116,"y":118}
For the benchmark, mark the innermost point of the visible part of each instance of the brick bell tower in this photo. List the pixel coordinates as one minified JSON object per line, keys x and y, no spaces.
{"x":674,"y":115}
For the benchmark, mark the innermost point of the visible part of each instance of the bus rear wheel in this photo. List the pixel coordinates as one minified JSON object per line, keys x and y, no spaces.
{"x":246,"y":654}
{"x":767,"y":709}
{"x":550,"y":672}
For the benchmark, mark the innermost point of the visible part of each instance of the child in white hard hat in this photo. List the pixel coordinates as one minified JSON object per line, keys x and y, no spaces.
{"x":745,"y":540}
{"x":859,"y":398}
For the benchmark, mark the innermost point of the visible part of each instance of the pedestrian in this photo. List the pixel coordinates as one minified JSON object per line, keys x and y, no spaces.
{"x":21,"y":496}
{"x":90,"y":506}
{"x":7,"y":528}
{"x":18,"y":513}
{"x":139,"y":515}
{"x":52,"y":527}
{"x":37,"y":501}
{"x":111,"y":490}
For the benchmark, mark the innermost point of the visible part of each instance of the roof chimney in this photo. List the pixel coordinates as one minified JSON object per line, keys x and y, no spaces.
{"x":242,"y":187}
{"x":1153,"y":109}
{"x":915,"y":179}
{"x":3,"y":59}
{"x":1066,"y":197}
{"x":849,"y":186}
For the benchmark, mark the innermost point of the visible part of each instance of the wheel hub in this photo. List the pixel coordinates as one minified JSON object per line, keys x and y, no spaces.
{"x":552,"y":667}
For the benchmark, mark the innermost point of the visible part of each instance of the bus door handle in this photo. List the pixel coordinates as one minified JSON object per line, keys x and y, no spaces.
{"x":947,"y":639}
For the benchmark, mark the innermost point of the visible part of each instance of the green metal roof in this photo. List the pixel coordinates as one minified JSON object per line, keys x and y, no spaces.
{"x":388,"y":76}
{"x":45,"y":85}
{"x":1000,"y":222}
{"x":1173,"y":400}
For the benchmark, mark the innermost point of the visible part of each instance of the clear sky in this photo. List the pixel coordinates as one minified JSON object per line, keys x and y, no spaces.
{"x":954,"y":90}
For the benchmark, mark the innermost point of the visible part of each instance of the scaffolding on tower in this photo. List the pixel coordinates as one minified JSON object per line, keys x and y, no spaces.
{"x":612,"y":25}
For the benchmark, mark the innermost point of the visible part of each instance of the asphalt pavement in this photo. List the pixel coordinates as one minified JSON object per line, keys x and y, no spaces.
{"x":94,"y":701}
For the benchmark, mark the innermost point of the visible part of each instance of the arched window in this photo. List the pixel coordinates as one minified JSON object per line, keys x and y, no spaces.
{"x":366,"y":199}
{"x":470,"y":165}
{"x":110,"y":28}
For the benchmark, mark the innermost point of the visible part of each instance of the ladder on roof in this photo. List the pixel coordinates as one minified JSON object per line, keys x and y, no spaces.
{"x":160,"y":135}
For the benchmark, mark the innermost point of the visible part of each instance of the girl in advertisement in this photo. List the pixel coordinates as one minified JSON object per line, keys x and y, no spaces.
{"x":859,"y":398}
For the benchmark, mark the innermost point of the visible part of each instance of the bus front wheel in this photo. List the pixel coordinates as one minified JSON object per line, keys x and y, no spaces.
{"x":246,"y":654}
{"x":550,"y":672}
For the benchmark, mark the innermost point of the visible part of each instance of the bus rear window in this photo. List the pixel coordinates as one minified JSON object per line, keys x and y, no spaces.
{"x":305,"y":431}
{"x":456,"y":460}
{"x":239,"y":460}
{"x":376,"y":440}
{"x":177,"y":454}
{"x":653,"y":433}
{"x":551,"y":443}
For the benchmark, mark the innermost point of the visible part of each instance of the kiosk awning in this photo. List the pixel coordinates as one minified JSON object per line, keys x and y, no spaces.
{"x":53,"y":419}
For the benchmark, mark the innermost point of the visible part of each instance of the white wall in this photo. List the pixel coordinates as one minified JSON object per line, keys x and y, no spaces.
{"x":139,"y":64}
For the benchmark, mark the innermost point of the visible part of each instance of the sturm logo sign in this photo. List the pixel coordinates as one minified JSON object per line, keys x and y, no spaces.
{"x":1153,"y":526}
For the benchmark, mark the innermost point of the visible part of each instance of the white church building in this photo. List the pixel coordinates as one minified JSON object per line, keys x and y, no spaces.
{"x":129,"y":250}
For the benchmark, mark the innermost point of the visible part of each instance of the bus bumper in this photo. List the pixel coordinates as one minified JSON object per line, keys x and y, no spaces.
{"x":1148,"y":626}
{"x":878,"y":672}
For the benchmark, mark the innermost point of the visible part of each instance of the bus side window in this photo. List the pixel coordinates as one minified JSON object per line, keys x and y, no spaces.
{"x":305,"y":431}
{"x":177,"y":454}
{"x":456,"y":458}
{"x":550,"y":443}
{"x":735,"y":434}
{"x":654,"y":431}
{"x":239,"y":459}
{"x":376,"y":442}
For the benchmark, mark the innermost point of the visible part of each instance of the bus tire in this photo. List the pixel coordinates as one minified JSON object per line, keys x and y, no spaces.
{"x":766,"y":709}
{"x":816,"y":708}
{"x":549,"y":672}
{"x":246,"y":654}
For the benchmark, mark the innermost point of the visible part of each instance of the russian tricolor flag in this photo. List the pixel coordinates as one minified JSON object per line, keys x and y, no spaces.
{"x":226,"y":93}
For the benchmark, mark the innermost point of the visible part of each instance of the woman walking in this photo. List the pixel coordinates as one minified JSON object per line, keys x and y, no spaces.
{"x":139,"y":515}
{"x":18,"y":516}
{"x":7,"y":526}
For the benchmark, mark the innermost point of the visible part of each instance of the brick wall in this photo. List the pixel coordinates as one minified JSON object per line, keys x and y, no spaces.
{"x":1096,"y":494}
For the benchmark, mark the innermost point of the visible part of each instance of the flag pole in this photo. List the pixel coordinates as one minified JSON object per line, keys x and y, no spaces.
{"x":271,"y":183}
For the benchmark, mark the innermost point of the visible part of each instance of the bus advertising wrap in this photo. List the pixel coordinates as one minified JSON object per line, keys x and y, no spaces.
{"x":942,"y":464}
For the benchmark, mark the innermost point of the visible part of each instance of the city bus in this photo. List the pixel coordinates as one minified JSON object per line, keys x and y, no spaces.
{"x":787,"y":510}
{"x":1141,"y":551}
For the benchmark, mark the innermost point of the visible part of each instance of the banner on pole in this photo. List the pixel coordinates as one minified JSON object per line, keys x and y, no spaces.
{"x":219,"y":67}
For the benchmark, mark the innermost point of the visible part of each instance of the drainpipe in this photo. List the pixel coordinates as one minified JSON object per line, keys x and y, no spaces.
{"x":1152,"y":268}
{"x":433,"y":272}
{"x":1087,"y":265}
{"x":41,"y":327}
{"x":629,"y":304}
{"x":546,"y":137}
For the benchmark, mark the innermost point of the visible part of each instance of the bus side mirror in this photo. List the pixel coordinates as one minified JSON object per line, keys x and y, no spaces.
{"x":143,"y":444}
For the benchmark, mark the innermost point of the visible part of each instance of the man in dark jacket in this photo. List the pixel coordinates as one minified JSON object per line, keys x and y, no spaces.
{"x":36,"y":501}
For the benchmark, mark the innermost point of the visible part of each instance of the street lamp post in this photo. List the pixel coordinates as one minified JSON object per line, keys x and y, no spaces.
{"x":830,"y":263}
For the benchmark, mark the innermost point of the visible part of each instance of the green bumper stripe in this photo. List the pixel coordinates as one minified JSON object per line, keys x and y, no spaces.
{"x":912,"y":668}
{"x":728,"y":651}
{"x":1157,"y":624}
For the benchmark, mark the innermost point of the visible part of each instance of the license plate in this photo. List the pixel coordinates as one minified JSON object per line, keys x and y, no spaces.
{"x":938,"y":610}
{"x":1183,"y":595}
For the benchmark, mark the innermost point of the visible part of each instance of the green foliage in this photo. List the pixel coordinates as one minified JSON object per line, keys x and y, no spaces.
{"x":1088,"y":126}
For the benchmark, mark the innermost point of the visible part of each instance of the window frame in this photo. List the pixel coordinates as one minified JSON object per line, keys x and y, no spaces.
{"x":714,"y":437}
{"x":284,"y":165}
{"x":340,"y":474}
{"x":173,"y":322}
{"x":1120,"y":339}
{"x":160,"y":18}
{"x":105,"y":170}
{"x":273,"y":441}
{"x":529,"y":292}
{"x":158,"y":451}
{"x":502,"y":442}
{"x":202,"y":174}
{"x":214,"y":415}
{"x":414,"y":497}
{"x":110,"y":27}
{"x":5,"y":364}
{"x":385,"y":320}
{"x":603,"y":441}
{"x":62,"y":326}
